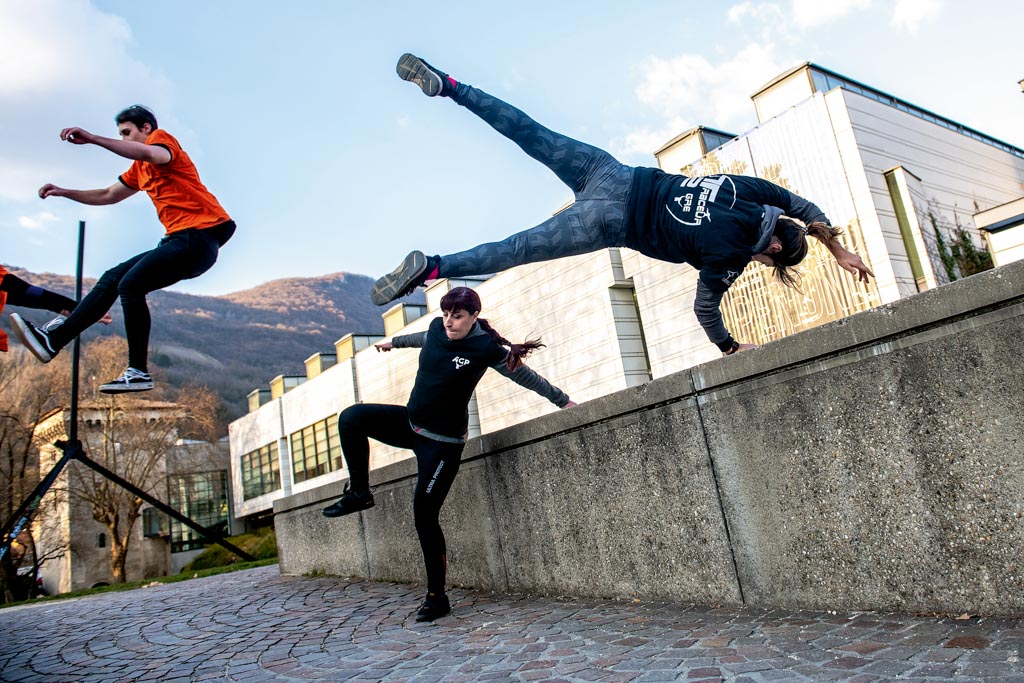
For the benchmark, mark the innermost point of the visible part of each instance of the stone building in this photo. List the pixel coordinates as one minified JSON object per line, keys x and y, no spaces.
{"x":138,"y":440}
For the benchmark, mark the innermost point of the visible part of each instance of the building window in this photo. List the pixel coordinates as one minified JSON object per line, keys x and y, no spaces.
{"x":203,"y":498}
{"x":101,"y":540}
{"x":154,"y":523}
{"x":260,"y":473}
{"x":316,"y":450}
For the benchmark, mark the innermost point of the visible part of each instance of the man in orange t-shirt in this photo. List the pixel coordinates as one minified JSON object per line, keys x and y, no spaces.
{"x":196,"y":227}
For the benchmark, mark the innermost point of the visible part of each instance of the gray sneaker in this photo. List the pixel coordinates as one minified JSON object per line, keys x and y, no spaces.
{"x":409,"y":275}
{"x":413,"y":69}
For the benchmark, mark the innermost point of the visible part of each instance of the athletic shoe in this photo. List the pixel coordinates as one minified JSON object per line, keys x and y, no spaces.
{"x":435,"y":606}
{"x":350,"y":502}
{"x":431,"y":81}
{"x":131,"y":380}
{"x":402,"y":280}
{"x":35,"y":339}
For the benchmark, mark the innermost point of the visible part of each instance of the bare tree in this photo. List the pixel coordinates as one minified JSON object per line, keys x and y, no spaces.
{"x":132,"y":438}
{"x":128,"y":435}
{"x":28,"y":391}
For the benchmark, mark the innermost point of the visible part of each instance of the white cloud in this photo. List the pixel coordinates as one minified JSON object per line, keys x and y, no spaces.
{"x":813,"y":13}
{"x":38,"y":221}
{"x":646,"y":141}
{"x":909,"y":14}
{"x":760,"y":11}
{"x":65,"y":63}
{"x":688,"y":90}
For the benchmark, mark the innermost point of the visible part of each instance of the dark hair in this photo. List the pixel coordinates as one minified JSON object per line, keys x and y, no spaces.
{"x":793,"y":235}
{"x":138,"y":115}
{"x":468,"y":300}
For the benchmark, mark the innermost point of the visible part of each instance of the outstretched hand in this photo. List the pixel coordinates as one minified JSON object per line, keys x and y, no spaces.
{"x":570,"y":404}
{"x":386,"y":346}
{"x":852,"y":263}
{"x":51,"y":190}
{"x":76,"y":136}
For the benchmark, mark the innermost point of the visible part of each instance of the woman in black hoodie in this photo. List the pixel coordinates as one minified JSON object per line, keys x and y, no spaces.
{"x":455,"y":352}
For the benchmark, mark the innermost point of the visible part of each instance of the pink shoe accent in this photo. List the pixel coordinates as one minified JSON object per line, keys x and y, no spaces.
{"x":432,"y":275}
{"x":451,"y":82}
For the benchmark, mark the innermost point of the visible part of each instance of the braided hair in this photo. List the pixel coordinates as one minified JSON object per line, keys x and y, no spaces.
{"x":468,"y":300}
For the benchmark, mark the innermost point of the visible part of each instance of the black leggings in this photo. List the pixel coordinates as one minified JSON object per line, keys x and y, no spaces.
{"x":437,"y":463}
{"x":179,"y":256}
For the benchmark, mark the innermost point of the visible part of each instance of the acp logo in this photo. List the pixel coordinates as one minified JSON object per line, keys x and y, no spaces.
{"x":460,"y":362}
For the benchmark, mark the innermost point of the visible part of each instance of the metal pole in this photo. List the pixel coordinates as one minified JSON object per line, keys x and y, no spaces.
{"x":73,"y":432}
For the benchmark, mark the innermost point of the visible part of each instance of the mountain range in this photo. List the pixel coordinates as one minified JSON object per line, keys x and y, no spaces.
{"x":240,"y":341}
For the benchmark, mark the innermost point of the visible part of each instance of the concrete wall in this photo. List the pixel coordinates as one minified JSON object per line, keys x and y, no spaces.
{"x":871,"y":463}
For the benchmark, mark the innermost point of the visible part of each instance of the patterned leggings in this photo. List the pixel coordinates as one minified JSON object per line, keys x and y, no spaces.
{"x":596,"y":220}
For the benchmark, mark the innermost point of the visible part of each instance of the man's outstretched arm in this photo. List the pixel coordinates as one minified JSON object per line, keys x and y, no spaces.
{"x":109,"y":195}
{"x":129,"y":149}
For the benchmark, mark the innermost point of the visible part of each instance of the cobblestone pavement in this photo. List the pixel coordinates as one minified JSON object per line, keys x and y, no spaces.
{"x":253,"y":626}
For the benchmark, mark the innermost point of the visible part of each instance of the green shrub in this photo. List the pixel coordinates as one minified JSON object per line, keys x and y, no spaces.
{"x":261,"y":544}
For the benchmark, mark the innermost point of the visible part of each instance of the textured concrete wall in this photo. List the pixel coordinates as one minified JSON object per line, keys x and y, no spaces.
{"x":872,"y":463}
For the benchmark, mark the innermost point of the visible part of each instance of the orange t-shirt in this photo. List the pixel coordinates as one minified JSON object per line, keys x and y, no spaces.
{"x":180,"y":198}
{"x":3,"y":302}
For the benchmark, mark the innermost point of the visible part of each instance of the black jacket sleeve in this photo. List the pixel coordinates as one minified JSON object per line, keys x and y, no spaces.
{"x":527,"y":378}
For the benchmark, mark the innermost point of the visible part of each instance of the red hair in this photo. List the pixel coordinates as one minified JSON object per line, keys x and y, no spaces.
{"x":464,"y":298}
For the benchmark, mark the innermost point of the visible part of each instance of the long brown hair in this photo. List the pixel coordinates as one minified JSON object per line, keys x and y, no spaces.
{"x":793,"y":234}
{"x":468,"y":300}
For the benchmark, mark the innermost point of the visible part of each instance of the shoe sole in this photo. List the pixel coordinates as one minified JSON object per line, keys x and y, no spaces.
{"x":125,"y":388}
{"x":390,"y":287}
{"x":22,"y":331}
{"x":333,"y":515}
{"x":411,"y":68}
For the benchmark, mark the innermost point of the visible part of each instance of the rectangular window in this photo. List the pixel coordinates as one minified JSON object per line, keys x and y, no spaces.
{"x":203,"y":498}
{"x":260,"y":474}
{"x":298,"y":458}
{"x":154,"y":523}
{"x":316,"y":450}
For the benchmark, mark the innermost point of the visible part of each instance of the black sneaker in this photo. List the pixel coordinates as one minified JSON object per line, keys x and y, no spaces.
{"x":34,"y":338}
{"x":432,"y":82}
{"x":350,"y":502}
{"x":435,"y":606}
{"x":131,"y":380}
{"x":409,"y":275}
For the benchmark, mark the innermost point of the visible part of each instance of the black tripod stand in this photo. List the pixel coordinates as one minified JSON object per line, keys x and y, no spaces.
{"x":73,"y":450}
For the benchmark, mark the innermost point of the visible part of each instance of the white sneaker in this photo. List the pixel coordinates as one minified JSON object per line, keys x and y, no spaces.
{"x":131,"y":380}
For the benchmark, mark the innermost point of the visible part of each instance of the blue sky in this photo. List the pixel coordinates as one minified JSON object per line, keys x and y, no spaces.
{"x":328,"y":162}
